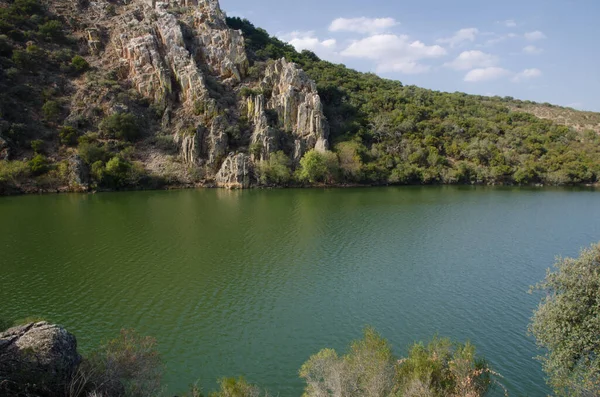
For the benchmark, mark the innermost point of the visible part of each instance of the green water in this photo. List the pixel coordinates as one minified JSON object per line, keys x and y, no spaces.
{"x":252,"y":283}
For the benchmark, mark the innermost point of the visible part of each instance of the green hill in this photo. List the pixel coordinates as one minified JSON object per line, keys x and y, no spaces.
{"x":82,"y":106}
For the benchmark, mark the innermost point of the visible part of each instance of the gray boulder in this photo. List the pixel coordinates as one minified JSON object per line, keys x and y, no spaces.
{"x":37,"y":359}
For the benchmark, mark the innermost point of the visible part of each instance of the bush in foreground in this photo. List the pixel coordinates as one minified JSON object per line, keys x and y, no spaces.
{"x":127,"y":366}
{"x":369,"y":369}
{"x":567,"y":324}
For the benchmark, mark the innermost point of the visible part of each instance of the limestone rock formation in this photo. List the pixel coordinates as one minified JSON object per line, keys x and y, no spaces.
{"x":265,"y":136}
{"x":236,"y":172}
{"x":294,"y":97}
{"x":79,"y":176}
{"x":181,"y":56}
{"x":37,"y":359}
{"x":165,"y":63}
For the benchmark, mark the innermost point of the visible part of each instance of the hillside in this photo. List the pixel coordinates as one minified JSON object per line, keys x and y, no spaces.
{"x":139,"y":94}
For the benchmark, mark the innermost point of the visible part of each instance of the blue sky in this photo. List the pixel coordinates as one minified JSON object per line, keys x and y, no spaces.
{"x":542,"y":50}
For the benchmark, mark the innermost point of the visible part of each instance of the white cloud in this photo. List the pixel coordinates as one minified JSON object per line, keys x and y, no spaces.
{"x":468,"y":34}
{"x":485,"y":74}
{"x":394,"y":53}
{"x":472,"y":59}
{"x":532,"y":50}
{"x":534,"y":36}
{"x":497,"y":39}
{"x":510,"y":23}
{"x":362,"y":25}
{"x":527,"y":74}
{"x":309,"y":41}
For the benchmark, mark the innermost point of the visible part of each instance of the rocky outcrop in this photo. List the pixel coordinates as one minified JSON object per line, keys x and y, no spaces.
{"x":237,"y":172}
{"x":164,"y":57}
{"x":265,"y":136}
{"x":294,"y":98}
{"x":183,"y":58}
{"x":36,"y":359}
{"x":79,"y":176}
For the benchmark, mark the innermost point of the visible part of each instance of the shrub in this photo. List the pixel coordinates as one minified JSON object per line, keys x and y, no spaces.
{"x":97,"y":170}
{"x":318,"y":166}
{"x":68,"y":135}
{"x":6,"y":49}
{"x":52,"y":110}
{"x":369,"y":369}
{"x":79,"y":64}
{"x":120,"y":126}
{"x":166,"y":143}
{"x":276,"y":170}
{"x":38,"y":165}
{"x":444,"y":368}
{"x":52,"y":30}
{"x":232,"y":387}
{"x":566,"y":324}
{"x":256,"y":149}
{"x":125,"y":366}
{"x":37,"y":145}
{"x":350,"y":161}
{"x":116,"y":172}
{"x":13,"y":171}
{"x":91,"y":152}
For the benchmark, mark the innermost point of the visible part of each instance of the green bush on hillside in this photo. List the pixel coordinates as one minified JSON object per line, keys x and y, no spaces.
{"x":52,"y":30}
{"x":319,"y":167}
{"x":120,"y":126}
{"x":276,"y":170}
{"x":68,"y":135}
{"x":79,"y":64}
{"x":39,"y":165}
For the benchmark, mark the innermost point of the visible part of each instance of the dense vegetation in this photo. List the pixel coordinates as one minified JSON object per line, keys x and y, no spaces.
{"x":384,"y":132}
{"x":40,"y":65}
{"x":567,"y":325}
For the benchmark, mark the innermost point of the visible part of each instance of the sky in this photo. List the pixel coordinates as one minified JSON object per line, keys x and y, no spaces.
{"x":540,"y":50}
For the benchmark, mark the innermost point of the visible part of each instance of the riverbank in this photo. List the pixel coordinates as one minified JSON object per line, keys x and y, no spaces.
{"x":31,"y":190}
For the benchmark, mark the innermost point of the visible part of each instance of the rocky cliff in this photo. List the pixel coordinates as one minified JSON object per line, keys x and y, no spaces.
{"x":184,"y":60}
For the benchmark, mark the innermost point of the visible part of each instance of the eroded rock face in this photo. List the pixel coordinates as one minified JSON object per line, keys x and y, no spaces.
{"x":164,"y":56}
{"x":79,"y":175}
{"x":181,"y":55}
{"x":299,"y":109}
{"x":37,"y":359}
{"x":264,"y":135}
{"x":237,"y":172}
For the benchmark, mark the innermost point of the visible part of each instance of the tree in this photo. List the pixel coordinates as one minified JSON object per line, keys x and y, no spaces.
{"x":276,"y":170}
{"x":567,"y":324}
{"x":369,"y":369}
{"x":318,"y":166}
{"x":120,"y":126}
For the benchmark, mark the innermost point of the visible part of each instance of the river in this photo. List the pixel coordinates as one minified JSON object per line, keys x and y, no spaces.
{"x":253,"y":282}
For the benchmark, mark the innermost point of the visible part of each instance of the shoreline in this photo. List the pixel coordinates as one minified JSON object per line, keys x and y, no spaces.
{"x":67,"y":190}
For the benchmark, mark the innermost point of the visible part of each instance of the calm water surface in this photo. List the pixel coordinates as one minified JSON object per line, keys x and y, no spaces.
{"x":252,"y":283}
